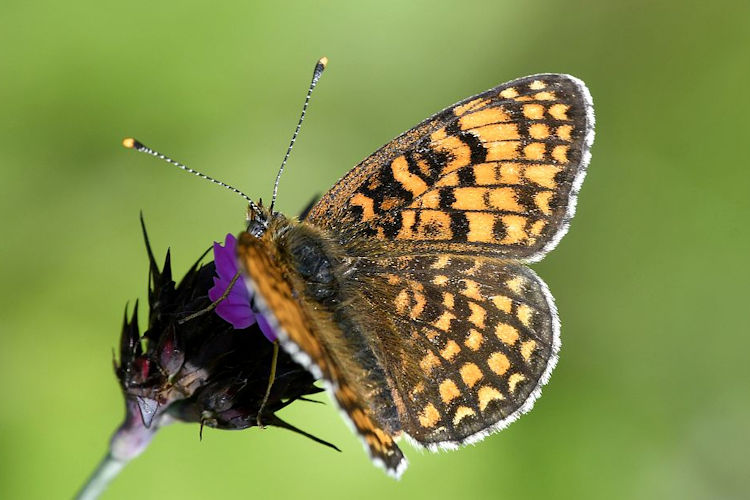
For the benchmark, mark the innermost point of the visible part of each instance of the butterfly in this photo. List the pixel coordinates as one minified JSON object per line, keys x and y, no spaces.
{"x":405,"y":287}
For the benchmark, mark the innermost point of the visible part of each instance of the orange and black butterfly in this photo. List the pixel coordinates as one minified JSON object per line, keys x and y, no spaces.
{"x":405,"y":287}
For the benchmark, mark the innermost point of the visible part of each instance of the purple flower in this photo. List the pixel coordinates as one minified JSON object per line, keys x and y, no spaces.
{"x":236,"y":307}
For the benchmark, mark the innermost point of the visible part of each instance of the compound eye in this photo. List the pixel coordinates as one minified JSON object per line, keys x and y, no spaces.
{"x":256,"y":228}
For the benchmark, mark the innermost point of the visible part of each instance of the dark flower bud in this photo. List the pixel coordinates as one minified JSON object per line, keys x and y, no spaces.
{"x":195,"y":365}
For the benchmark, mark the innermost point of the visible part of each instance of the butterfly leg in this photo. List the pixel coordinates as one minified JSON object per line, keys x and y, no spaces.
{"x":213,"y":304}
{"x":271,"y":378}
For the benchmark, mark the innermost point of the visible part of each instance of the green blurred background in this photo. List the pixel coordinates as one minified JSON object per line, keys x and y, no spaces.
{"x":650,"y":398}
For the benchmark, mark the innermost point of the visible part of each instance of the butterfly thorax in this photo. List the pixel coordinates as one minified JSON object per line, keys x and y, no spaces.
{"x":312,"y":255}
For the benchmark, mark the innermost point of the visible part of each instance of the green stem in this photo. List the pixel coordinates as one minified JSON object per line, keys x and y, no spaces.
{"x":107,"y":470}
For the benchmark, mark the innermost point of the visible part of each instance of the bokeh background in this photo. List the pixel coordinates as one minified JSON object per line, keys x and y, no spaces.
{"x":650,"y":398}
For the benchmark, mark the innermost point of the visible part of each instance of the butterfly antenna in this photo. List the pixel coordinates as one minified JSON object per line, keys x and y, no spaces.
{"x":319,"y":67}
{"x":131,"y":143}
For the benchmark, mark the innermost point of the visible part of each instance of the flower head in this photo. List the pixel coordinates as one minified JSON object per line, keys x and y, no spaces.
{"x":200,"y":368}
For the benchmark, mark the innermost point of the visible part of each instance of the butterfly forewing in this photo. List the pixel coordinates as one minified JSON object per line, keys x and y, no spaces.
{"x":495,"y":174}
{"x":273,"y":292}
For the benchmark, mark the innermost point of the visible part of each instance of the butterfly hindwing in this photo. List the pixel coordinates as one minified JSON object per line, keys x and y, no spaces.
{"x":483,"y":338}
{"x":495,"y":174}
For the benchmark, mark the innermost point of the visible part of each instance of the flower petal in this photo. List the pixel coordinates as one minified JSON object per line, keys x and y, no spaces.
{"x":225,"y":257}
{"x":235,"y":308}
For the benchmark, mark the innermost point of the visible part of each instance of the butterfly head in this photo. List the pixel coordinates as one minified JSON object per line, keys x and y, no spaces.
{"x":257,"y":219}
{"x":261,"y":219}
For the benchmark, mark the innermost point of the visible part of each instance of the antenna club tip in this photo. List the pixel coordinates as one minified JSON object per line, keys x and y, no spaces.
{"x":131,"y":143}
{"x":323,"y":61}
